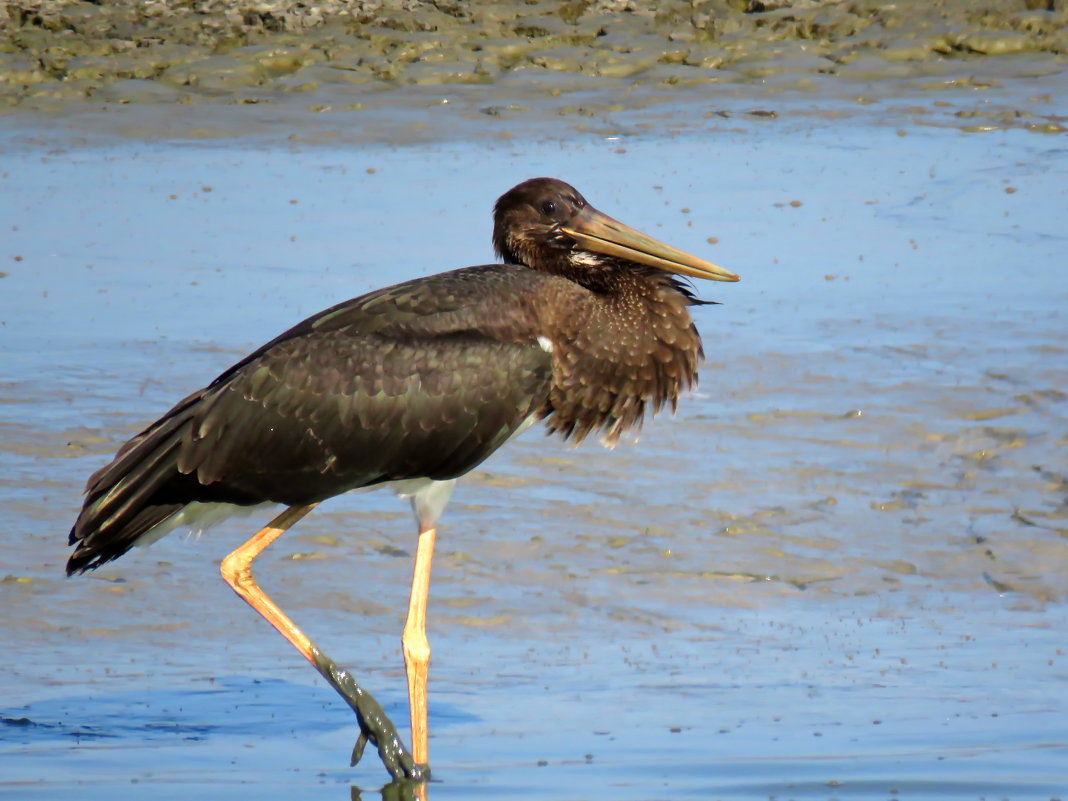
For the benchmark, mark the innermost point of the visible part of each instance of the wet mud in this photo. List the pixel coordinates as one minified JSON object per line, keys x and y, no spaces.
{"x":344,"y":70}
{"x":840,"y":571}
{"x":179,"y":52}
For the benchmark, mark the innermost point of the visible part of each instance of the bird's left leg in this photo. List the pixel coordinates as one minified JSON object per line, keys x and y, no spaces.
{"x":375,"y":726}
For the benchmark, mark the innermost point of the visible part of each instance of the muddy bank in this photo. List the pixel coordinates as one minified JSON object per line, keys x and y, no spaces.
{"x":507,"y":58}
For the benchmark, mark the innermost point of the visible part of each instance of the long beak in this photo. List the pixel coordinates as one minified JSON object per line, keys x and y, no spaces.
{"x":600,"y":233}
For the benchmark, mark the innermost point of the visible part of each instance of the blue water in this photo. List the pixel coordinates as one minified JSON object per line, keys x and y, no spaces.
{"x":770,"y":596}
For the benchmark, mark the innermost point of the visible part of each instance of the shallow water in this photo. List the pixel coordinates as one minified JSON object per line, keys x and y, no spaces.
{"x":839,"y":572}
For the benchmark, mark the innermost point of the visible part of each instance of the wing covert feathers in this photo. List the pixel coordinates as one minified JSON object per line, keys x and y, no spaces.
{"x":408,"y":382}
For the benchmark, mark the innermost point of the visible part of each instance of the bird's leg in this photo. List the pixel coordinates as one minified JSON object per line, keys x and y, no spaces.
{"x":375,"y":726}
{"x":416,"y":647}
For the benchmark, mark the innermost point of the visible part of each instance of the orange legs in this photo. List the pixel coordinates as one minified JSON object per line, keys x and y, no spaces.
{"x":415,"y":646}
{"x":236,"y":569}
{"x":375,"y":727}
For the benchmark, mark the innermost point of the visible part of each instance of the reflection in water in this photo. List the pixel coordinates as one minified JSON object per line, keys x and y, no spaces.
{"x":396,"y":791}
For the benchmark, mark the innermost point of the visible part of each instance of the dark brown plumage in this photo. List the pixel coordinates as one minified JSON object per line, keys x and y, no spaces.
{"x":423,"y":379}
{"x":389,"y":386}
{"x":585,"y":327}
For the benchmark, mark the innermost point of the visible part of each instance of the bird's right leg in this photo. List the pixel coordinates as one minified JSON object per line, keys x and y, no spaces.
{"x":416,"y":648}
{"x":375,"y":726}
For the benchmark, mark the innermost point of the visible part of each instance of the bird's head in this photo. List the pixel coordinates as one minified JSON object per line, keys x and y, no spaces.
{"x":547,"y":225}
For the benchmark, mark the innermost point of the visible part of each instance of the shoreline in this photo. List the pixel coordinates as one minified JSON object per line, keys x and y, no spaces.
{"x":418,"y":71}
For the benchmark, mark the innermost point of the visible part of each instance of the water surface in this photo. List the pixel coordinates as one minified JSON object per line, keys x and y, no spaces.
{"x":839,"y":572}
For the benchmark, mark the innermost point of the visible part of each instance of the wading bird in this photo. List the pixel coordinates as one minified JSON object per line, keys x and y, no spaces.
{"x":585,"y":326}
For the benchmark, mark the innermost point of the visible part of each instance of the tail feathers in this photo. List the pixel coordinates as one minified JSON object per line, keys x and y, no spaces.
{"x":133,"y":494}
{"x":95,"y":550}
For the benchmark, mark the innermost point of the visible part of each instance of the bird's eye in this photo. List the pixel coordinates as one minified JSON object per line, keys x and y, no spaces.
{"x":548,"y":208}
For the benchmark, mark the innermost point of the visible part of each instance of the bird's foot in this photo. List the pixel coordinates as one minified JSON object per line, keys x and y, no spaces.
{"x":375,"y":725}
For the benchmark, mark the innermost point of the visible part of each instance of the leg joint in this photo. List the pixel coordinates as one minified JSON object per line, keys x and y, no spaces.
{"x":236,"y":570}
{"x":415,"y":645}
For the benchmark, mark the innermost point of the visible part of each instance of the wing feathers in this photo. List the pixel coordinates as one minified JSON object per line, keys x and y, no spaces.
{"x":420,"y":380}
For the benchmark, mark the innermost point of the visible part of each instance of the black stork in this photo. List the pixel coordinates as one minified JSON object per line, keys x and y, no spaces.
{"x":585,"y":326}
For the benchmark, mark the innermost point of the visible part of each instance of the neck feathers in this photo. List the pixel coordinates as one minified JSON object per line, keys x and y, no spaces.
{"x":624,"y":348}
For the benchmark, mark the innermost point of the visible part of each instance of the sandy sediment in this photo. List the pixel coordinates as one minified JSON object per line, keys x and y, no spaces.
{"x":172,"y":51}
